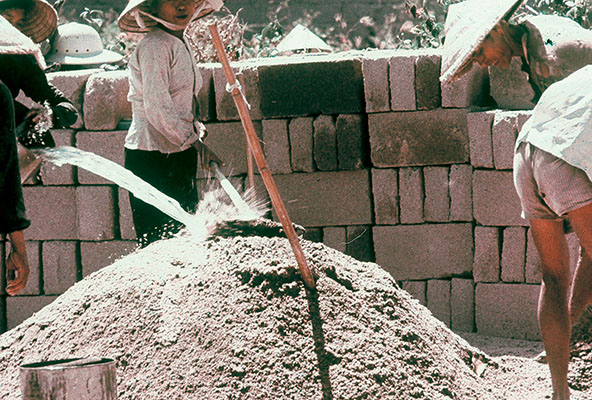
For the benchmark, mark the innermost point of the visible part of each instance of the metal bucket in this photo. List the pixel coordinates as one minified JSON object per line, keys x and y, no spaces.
{"x":72,"y":379}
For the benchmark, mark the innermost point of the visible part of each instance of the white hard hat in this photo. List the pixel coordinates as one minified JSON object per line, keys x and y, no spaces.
{"x":79,"y":44}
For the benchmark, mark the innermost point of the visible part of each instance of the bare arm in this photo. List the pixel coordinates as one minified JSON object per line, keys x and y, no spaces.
{"x":17,"y":267}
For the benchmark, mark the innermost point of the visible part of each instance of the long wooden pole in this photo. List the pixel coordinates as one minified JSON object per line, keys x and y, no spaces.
{"x":253,"y":141}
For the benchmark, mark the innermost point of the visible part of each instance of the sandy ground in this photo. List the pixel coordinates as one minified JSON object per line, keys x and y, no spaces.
{"x":229,"y":318}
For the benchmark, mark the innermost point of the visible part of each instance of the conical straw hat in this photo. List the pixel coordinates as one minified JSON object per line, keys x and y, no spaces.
{"x":467,"y":25}
{"x":39,"y":22}
{"x":13,"y":41}
{"x":132,"y":21}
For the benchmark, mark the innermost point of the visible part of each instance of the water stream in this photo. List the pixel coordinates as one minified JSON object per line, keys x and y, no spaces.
{"x":199,"y":224}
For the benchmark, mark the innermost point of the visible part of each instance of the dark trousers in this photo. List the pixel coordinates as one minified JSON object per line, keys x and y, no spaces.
{"x":12,"y":205}
{"x":174,"y":175}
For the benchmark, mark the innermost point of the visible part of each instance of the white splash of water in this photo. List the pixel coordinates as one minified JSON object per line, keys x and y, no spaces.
{"x":211,"y":208}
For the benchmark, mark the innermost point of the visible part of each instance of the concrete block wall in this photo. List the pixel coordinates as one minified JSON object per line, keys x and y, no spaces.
{"x":369,"y":152}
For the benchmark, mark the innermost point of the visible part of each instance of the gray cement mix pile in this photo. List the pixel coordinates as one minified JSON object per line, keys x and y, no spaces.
{"x":229,"y":318}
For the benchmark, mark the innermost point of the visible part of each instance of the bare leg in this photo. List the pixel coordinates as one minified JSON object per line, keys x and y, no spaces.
{"x":581,"y":290}
{"x":553,"y":312}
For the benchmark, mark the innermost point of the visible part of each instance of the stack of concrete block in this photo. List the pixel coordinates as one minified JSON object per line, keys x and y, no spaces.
{"x":370,"y":153}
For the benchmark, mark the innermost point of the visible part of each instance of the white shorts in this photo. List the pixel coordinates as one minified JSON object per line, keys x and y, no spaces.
{"x":548,"y":187}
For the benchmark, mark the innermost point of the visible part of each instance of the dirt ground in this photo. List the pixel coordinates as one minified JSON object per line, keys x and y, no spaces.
{"x":228,"y":318}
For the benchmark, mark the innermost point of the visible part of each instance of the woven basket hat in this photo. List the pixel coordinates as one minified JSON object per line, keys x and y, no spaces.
{"x":467,"y":25}
{"x":132,"y":19}
{"x":39,"y":22}
{"x":13,"y":41}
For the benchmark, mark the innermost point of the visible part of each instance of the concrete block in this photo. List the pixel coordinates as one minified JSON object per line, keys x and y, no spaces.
{"x":402,"y":80}
{"x":300,"y":132}
{"x":427,"y":81}
{"x":19,"y":308}
{"x":417,"y":289}
{"x":359,"y":243}
{"x":376,"y":84}
{"x":105,"y":100}
{"x":385,"y":191}
{"x":325,"y":143}
{"x":335,"y":237}
{"x":229,"y":143}
{"x":313,"y":235}
{"x":522,"y":117}
{"x":437,"y":198}
{"x":350,"y":141}
{"x":462,"y":305}
{"x":96,"y":255}
{"x":439,"y":299}
{"x":470,"y":90}
{"x":317,"y":199}
{"x":510,"y":87}
{"x":486,"y":264}
{"x":532,"y":269}
{"x":105,"y":144}
{"x":433,"y":137}
{"x":248,"y":77}
{"x":206,"y":97}
{"x":60,"y":266}
{"x":503,"y":136}
{"x":513,"y":254}
{"x":127,"y":230}
{"x":52,"y":211}
{"x":507,"y":310}
{"x":461,"y":192}
{"x":411,"y":194}
{"x":429,"y":251}
{"x":3,"y":254}
{"x":96,"y":212}
{"x":72,"y":84}
{"x":276,"y":145}
{"x":495,"y":202}
{"x":50,"y":173}
{"x":479,"y":126}
{"x":290,"y":86}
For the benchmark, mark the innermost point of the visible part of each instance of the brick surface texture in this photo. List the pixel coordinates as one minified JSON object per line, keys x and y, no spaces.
{"x":301,"y":144}
{"x":513,"y":254}
{"x":417,"y":289}
{"x":461,"y":192}
{"x":385,"y":191}
{"x":486,"y":265}
{"x":402,"y":82}
{"x":59,"y":266}
{"x":437,"y":196}
{"x":495,"y":201}
{"x":376,"y":84}
{"x":96,"y":212}
{"x":427,"y":83}
{"x":276,"y":145}
{"x":411,"y":195}
{"x":418,"y":138}
{"x":325,"y":143}
{"x":462,"y":306}
{"x":350,"y":141}
{"x":438,"y":295}
{"x":479,"y":128}
{"x":424,"y":251}
{"x":507,"y":310}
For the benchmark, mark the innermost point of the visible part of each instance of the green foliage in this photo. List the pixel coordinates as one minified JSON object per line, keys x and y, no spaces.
{"x":411,"y":24}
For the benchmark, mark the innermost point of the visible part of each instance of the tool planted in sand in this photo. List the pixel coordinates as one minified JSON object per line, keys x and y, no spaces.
{"x":253,"y":141}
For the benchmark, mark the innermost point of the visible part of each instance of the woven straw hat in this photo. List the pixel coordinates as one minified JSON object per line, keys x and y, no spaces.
{"x":467,"y":25}
{"x":39,"y":22}
{"x":131,"y":20}
{"x":13,"y":41}
{"x":80,"y":44}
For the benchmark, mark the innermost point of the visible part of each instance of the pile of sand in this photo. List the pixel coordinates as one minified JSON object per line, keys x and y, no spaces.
{"x":229,"y":318}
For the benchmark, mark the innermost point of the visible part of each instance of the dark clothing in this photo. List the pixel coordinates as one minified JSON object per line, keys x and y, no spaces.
{"x":22,"y":72}
{"x":12,"y":207}
{"x":173,"y":174}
